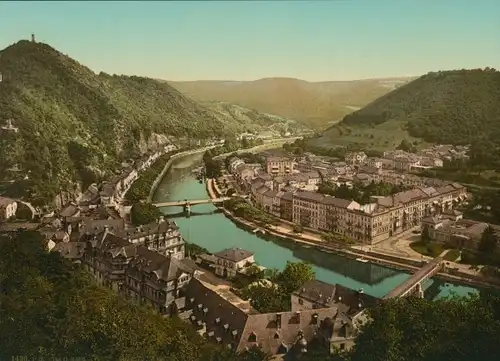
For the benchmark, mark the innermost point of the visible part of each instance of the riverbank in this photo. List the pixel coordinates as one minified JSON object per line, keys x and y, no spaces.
{"x":160,"y":176}
{"x":392,"y":261}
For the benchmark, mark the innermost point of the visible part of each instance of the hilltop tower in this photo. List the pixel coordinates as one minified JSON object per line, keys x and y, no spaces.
{"x":33,"y":38}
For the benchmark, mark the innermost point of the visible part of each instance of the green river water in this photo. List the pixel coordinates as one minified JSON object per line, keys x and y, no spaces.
{"x":216,"y":232}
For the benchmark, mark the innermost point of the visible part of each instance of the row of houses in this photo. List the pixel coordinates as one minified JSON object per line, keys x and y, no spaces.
{"x":405,"y":162}
{"x":370,"y":223}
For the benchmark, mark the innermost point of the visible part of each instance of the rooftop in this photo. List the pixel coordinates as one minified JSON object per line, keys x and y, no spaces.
{"x":234,"y":254}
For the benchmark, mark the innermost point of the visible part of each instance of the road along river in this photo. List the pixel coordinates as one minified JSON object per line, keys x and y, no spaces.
{"x":216,"y":232}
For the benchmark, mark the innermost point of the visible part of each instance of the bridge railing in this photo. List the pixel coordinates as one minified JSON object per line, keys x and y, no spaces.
{"x":414,"y":279}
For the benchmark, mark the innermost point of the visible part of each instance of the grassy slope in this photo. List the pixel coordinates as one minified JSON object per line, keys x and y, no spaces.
{"x":314,"y":104}
{"x":445,"y":107}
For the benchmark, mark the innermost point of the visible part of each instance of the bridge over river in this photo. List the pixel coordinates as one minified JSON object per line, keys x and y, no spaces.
{"x":413,"y":285}
{"x":188,"y":203}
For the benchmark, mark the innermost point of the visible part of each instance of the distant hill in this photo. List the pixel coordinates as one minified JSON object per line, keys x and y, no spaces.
{"x":74,"y":125}
{"x":458,"y":107}
{"x":316,"y":105}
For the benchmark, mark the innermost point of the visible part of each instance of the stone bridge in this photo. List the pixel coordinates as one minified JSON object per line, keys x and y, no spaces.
{"x":413,"y":285}
{"x":189,"y":203}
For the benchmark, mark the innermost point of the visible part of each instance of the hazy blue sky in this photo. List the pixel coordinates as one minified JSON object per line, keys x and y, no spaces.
{"x":237,"y":40}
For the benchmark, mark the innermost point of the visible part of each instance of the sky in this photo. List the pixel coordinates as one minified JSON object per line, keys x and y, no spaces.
{"x":248,"y":40}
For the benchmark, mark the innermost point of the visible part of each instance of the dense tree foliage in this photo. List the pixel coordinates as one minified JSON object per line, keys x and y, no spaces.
{"x":241,"y":208}
{"x":141,"y":188}
{"x":51,"y":308}
{"x":358,"y":192}
{"x":413,"y":329}
{"x":192,"y":250}
{"x":144,"y":213}
{"x":275,"y":297}
{"x":75,"y":125}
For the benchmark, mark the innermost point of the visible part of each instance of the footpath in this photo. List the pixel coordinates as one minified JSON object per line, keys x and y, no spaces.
{"x":284,"y":231}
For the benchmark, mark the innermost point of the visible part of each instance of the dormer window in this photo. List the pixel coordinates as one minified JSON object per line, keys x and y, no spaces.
{"x":219,"y":340}
{"x":211,"y":333}
{"x":217,"y":320}
{"x":200,"y":306}
{"x":199,"y":323}
{"x":252,"y":337}
{"x":314,"y":320}
{"x":193,"y":318}
{"x":205,"y":310}
{"x":226,"y":326}
{"x":276,"y":335}
{"x":234,"y":333}
{"x":191,"y":300}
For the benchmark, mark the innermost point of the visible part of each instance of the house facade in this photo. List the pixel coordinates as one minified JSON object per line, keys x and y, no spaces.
{"x":8,"y":208}
{"x":279,"y":166}
{"x":230,"y":260}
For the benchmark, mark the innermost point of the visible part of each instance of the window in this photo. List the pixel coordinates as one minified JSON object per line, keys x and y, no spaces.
{"x":301,"y":301}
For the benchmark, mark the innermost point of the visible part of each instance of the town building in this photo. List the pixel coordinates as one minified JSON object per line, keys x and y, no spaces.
{"x":224,"y":318}
{"x":353,"y":158}
{"x":8,"y":208}
{"x":231,"y":260}
{"x":316,"y":294}
{"x":279,"y":166}
{"x":137,"y":270}
{"x":452,"y":230}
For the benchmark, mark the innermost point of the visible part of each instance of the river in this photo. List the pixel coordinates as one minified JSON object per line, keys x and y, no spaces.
{"x":215,"y":232}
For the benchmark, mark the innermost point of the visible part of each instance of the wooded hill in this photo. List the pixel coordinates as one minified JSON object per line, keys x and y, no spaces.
{"x":448,"y":107}
{"x":68,"y":117}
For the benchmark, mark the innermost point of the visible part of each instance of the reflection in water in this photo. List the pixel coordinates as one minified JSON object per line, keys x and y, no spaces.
{"x":368,"y":273}
{"x":193,"y":214}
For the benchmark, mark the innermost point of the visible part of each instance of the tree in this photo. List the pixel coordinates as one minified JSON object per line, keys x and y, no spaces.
{"x":413,"y":329}
{"x":245,"y":143}
{"x":405,"y":145}
{"x":425,"y":236}
{"x":144,"y":213}
{"x":295,"y":275}
{"x":267,"y":298}
{"x":488,"y":242}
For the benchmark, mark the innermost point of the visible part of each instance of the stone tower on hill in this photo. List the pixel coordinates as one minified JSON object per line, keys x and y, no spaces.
{"x":33,"y":38}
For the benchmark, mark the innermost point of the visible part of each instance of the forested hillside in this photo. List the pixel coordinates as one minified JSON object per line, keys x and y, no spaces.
{"x":457,"y":107}
{"x":73,"y":124}
{"x":314,"y":104}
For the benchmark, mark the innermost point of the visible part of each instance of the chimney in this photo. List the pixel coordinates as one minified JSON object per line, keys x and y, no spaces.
{"x":106,"y":229}
{"x":278,"y":320}
{"x":297,"y":316}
